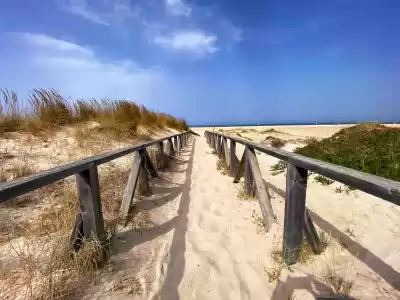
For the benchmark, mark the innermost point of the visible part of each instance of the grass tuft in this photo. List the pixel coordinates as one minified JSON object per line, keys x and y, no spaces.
{"x":278,"y":168}
{"x":340,"y":284}
{"x":222,"y":167}
{"x":323,"y":180}
{"x":274,"y":142}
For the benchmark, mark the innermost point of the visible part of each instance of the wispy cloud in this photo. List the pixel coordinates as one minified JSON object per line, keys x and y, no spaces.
{"x":78,"y":71}
{"x":104,"y":13}
{"x":82,"y":9}
{"x":195,"y":43}
{"x":178,"y":8}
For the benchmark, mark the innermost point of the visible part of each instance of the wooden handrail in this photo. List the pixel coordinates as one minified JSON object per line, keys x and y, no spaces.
{"x":386,"y":189}
{"x":24,"y":185}
{"x":297,"y":218}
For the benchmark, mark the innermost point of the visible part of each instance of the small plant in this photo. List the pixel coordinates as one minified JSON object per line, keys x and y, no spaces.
{"x":258,"y":221}
{"x":338,"y":189}
{"x":340,"y":285}
{"x":242,"y":194}
{"x":278,"y":168}
{"x":350,"y":232}
{"x":323,"y":180}
{"x":274,"y":142}
{"x":222,"y":167}
{"x":271,"y":130}
{"x":274,"y":273}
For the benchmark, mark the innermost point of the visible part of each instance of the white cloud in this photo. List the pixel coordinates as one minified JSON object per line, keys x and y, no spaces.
{"x":82,"y":9}
{"x":177,"y":8}
{"x":104,"y":13}
{"x":78,"y":71}
{"x":188,"y":42}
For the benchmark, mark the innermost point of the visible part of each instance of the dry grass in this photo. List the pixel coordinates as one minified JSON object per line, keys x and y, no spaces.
{"x":340,"y":284}
{"x":48,"y":110}
{"x":222,"y":167}
{"x":259,"y":221}
{"x":40,"y":263}
{"x":323,"y":180}
{"x":274,"y":142}
{"x":243,"y":195}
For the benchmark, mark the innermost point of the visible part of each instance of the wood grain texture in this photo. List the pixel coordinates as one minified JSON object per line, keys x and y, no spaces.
{"x":261,"y":190}
{"x":233,"y":164}
{"x":312,"y":234}
{"x":144,"y":187}
{"x":130,"y":188}
{"x":87,"y":183}
{"x":226,"y":151}
{"x":171,"y":150}
{"x":295,"y":206}
{"x":149,"y":166}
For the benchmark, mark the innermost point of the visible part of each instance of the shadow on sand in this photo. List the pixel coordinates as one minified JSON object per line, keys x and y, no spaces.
{"x":375,"y":263}
{"x":164,"y":191}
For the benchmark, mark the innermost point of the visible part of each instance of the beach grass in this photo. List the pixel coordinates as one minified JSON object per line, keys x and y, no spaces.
{"x":48,"y":110}
{"x":370,"y":148}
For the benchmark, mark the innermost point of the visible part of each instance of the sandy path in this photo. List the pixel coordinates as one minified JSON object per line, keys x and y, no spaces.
{"x":214,"y":258}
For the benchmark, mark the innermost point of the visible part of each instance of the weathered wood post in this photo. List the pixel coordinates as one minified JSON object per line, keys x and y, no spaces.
{"x":295,"y":206}
{"x":248,"y":177}
{"x":260,"y":189}
{"x":144,"y":187}
{"x":233,"y":159}
{"x":171,"y":151}
{"x":176,"y":145}
{"x":89,"y":221}
{"x":226,"y":151}
{"x":130,"y":187}
{"x":160,"y":154}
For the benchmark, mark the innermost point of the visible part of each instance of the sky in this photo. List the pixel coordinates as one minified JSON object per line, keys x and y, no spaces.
{"x":211,"y":62}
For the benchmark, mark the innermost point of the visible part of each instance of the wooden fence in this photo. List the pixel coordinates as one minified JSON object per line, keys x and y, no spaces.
{"x":297,"y":218}
{"x":89,"y":220}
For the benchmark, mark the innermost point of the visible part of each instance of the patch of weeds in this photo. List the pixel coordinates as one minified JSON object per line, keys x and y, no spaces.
{"x":242,"y":195}
{"x":259,"y":221}
{"x":323,"y":180}
{"x":340,"y":284}
{"x":325,"y":240}
{"x":370,"y":148}
{"x":131,"y":285}
{"x":278,"y":168}
{"x":274,"y":142}
{"x":273,"y":273}
{"x":271,"y":130}
{"x":350,"y":232}
{"x":222,"y":167}
{"x":338,"y":189}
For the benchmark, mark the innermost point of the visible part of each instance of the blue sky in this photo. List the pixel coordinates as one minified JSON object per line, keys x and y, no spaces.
{"x":211,"y":62}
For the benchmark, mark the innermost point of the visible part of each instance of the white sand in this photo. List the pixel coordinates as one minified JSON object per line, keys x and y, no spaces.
{"x":214,"y":250}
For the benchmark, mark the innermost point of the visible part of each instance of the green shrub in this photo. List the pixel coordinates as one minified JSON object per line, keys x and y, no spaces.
{"x":370,"y":148}
{"x":323,"y":180}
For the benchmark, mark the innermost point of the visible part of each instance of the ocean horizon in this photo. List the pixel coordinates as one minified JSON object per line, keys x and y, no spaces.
{"x":288,"y":124}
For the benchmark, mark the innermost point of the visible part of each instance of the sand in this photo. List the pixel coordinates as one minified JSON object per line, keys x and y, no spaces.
{"x":217,"y":250}
{"x":203,"y":242}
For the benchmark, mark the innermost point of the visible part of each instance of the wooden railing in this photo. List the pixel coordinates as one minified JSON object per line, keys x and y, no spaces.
{"x":297,"y":218}
{"x":89,"y":221}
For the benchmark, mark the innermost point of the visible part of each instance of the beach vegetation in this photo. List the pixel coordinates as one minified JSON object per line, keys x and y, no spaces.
{"x":370,"y":148}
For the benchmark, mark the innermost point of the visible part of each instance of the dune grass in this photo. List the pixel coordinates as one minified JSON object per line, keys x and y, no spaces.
{"x":47,"y":109}
{"x":370,"y":148}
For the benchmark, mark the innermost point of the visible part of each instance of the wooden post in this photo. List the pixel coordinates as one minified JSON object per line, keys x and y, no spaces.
{"x":240,"y":168}
{"x":221,"y":150}
{"x":90,"y":217}
{"x":160,"y":154}
{"x":171,"y":151}
{"x":144,"y":188}
{"x":248,"y":177}
{"x":218,"y":149}
{"x":311,"y":234}
{"x":226,"y":150}
{"x":295,"y":205}
{"x":176,"y":145}
{"x":261,"y":190}
{"x":130,"y":187}
{"x":233,"y":159}
{"x":149,"y":166}
{"x":180,"y":142}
